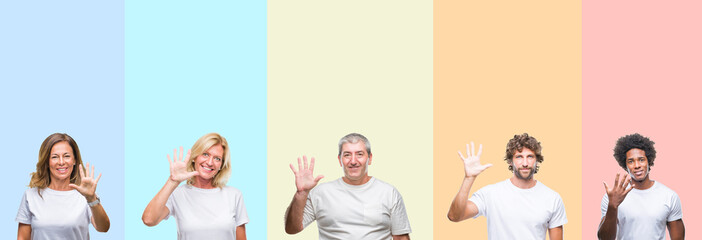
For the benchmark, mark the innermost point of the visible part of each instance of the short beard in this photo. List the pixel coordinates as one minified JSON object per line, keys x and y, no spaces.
{"x":519,"y":175}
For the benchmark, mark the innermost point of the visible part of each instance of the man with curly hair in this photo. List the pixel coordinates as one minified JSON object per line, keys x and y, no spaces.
{"x":637,"y":207}
{"x":517,"y":208}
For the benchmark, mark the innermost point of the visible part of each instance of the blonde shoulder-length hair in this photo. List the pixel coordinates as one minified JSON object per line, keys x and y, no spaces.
{"x":202,"y":145}
{"x":42,"y":177}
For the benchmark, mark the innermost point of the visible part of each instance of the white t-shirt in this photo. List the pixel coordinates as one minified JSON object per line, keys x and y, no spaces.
{"x":644,"y":213}
{"x":515,"y":213}
{"x":55,"y":215}
{"x":374,"y":210}
{"x":207,"y":213}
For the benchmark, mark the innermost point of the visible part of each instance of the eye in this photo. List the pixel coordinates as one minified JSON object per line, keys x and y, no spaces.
{"x":218,"y":159}
{"x":54,"y":157}
{"x":360,"y":154}
{"x":206,"y":154}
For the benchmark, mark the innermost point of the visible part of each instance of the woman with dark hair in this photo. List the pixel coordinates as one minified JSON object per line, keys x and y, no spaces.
{"x":61,"y":201}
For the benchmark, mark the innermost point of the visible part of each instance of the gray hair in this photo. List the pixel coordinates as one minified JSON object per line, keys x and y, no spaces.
{"x":354,"y":138}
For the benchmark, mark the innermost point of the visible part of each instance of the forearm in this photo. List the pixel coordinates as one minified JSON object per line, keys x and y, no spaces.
{"x":608,"y":227}
{"x":457,"y":211}
{"x":101,"y":221}
{"x":157,"y":210}
{"x":295,"y":212}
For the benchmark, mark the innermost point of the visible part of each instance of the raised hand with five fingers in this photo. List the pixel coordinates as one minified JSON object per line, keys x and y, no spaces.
{"x":304,"y":175}
{"x":471,"y":162}
{"x":88,"y":182}
{"x":179,"y":166}
{"x":619,"y":191}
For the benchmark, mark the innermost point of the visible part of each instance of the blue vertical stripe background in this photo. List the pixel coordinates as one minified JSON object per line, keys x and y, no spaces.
{"x":62,"y":70}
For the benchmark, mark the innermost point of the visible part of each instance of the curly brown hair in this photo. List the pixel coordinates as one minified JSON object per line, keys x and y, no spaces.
{"x":518,"y":143}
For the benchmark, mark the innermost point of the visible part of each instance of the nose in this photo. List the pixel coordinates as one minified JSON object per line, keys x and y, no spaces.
{"x":637,"y":164}
{"x":210,"y":160}
{"x":62,"y":160}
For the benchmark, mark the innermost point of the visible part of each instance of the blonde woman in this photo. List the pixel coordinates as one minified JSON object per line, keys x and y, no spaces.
{"x":204,"y":207}
{"x":61,"y":201}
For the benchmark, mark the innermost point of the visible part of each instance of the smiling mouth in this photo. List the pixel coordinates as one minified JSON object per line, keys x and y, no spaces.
{"x":207,"y":168}
{"x":62,"y":170}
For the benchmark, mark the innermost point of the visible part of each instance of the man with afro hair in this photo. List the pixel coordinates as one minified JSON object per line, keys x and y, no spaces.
{"x":517,"y":208}
{"x":637,"y":207}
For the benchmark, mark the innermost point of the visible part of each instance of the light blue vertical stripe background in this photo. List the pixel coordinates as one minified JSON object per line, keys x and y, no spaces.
{"x":194,"y":68}
{"x":62,"y":70}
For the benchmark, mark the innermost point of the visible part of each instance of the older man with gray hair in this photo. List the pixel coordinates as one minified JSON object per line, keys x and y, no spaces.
{"x":355,"y":206}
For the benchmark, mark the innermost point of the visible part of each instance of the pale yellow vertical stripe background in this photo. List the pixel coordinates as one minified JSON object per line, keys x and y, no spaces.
{"x":504,"y":68}
{"x":336,"y":67}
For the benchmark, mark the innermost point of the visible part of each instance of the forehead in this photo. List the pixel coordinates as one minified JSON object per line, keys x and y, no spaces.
{"x":635,"y":153}
{"x":353,"y":147}
{"x":525,"y":151}
{"x":216,"y":150}
{"x":61,"y":147}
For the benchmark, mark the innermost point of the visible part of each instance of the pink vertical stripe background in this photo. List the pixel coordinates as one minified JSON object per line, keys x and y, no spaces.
{"x":642,"y":67}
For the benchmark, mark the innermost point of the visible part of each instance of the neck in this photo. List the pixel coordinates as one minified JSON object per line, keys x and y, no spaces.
{"x":203,"y":183}
{"x":523,"y":183}
{"x":361,"y":181}
{"x":644,"y":184}
{"x":59,"y":185}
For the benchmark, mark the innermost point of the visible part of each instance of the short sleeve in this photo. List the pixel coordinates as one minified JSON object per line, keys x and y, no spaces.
{"x":398,"y":216}
{"x":240,"y":211}
{"x":603,"y":205}
{"x":23,"y":214}
{"x":308,"y":216}
{"x":479,"y":199}
{"x":675,"y":208}
{"x":558,"y":218}
{"x":170,"y":204}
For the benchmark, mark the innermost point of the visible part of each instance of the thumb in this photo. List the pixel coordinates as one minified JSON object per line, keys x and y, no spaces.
{"x":193,"y":173}
{"x":318,"y":178}
{"x":486,"y":166}
{"x":73,"y":186}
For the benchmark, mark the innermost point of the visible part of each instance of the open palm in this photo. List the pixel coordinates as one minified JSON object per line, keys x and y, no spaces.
{"x":471,"y":162}
{"x":88,"y":182}
{"x":179,"y":166}
{"x":304,"y":175}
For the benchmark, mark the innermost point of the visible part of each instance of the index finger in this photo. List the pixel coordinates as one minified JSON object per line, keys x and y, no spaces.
{"x":480,"y":150}
{"x":312,"y":165}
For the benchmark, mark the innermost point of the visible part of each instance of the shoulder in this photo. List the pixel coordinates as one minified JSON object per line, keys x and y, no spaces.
{"x":662,"y":189}
{"x":231,"y":190}
{"x":326,"y":186}
{"x":498,"y":186}
{"x":546,"y":191}
{"x":383,"y":185}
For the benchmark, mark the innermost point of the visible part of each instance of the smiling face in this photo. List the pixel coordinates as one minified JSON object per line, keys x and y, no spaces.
{"x":524,"y":164}
{"x":355,"y":161}
{"x":61,"y":162}
{"x":637,"y":164}
{"x":209,"y":162}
